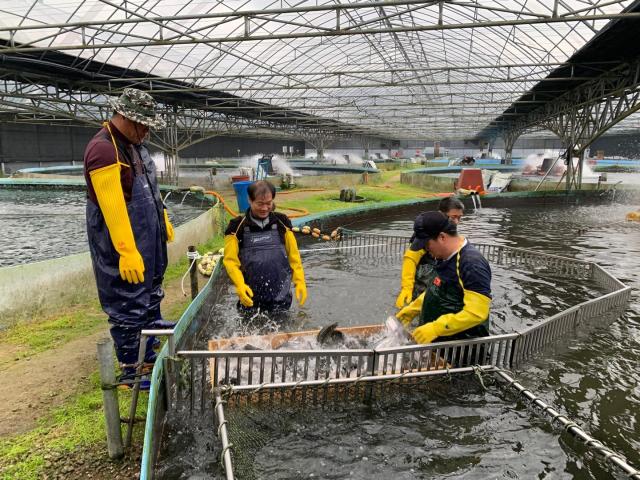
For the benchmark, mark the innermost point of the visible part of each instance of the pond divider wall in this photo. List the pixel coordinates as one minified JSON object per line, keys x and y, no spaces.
{"x":431,"y":179}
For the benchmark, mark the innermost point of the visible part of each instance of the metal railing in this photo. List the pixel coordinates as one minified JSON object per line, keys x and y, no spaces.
{"x":372,"y":244}
{"x":569,"y":426}
{"x":202,"y":376}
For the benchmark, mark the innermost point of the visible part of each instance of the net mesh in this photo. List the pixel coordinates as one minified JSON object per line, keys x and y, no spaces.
{"x":255,"y":420}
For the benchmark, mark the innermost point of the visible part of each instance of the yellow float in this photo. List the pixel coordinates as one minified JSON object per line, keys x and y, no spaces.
{"x":208,"y":262}
{"x":633,"y":216}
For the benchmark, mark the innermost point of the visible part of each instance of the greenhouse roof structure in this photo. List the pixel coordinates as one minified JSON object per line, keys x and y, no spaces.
{"x":393,"y":69}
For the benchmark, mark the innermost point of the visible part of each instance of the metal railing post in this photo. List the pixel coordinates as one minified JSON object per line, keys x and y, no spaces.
{"x":110,"y":398}
{"x":371,"y":371}
{"x":168,"y":370}
{"x":142,"y":350}
{"x":223,"y":434}
{"x":193,"y":271}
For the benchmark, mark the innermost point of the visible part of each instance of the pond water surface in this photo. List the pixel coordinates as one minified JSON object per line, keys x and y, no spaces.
{"x":453,"y":429}
{"x":43,"y":224}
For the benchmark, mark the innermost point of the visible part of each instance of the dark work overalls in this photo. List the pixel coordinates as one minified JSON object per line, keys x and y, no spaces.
{"x":131,"y":307}
{"x":157,"y":293}
{"x":448,"y":297}
{"x":425,"y":273}
{"x":265,"y":267}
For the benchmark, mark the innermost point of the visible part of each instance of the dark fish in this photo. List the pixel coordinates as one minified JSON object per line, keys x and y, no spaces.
{"x":248,"y":346}
{"x":329,"y":336}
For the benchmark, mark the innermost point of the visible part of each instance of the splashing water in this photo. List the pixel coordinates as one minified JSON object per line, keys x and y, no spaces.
{"x":534,"y":160}
{"x":394,"y":334}
{"x":281,"y":165}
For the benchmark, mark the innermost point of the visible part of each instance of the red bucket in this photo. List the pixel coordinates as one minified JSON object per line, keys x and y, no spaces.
{"x":240,"y":178}
{"x":470,"y":179}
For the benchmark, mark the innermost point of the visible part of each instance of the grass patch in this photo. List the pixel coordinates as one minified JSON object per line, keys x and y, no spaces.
{"x":176,"y":271}
{"x":615,"y":169}
{"x":79,"y":423}
{"x":78,"y":298}
{"x":54,"y":331}
{"x":83,"y":319}
{"x":175,"y":310}
{"x":329,"y":200}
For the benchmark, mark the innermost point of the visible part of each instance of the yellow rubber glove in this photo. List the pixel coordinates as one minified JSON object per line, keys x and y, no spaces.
{"x":106,"y":184}
{"x":408,"y":313}
{"x":295,"y":262}
{"x":231,"y":262}
{"x":474,"y":312}
{"x":425,"y":333}
{"x":410,"y":263}
{"x":301,"y":293}
{"x":170,"y":233}
{"x":245,"y":294}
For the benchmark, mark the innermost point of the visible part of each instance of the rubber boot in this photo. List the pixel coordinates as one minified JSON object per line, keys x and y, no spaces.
{"x":128,"y":377}
{"x":162,"y":324}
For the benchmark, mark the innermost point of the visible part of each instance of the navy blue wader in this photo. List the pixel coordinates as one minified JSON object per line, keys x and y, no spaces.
{"x":442,"y":298}
{"x":265,"y":267}
{"x":131,"y":307}
{"x":157,"y":293}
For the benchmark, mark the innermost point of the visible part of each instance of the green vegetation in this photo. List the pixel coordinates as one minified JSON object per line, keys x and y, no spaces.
{"x":615,"y":169}
{"x":77,"y":424}
{"x":53,"y":332}
{"x":329,"y":200}
{"x":176,"y":271}
{"x":82,"y":319}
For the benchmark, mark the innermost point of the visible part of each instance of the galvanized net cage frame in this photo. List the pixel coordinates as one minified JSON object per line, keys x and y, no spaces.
{"x":276,"y":375}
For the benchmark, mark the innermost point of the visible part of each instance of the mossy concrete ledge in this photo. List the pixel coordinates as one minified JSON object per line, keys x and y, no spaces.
{"x":27,"y":288}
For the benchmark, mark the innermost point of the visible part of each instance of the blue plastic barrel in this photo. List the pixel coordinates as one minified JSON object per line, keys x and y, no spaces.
{"x":242,"y":195}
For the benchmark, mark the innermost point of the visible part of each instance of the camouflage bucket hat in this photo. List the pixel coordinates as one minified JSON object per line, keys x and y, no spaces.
{"x":139,"y":107}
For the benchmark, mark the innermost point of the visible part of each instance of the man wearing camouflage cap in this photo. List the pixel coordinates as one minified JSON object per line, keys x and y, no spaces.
{"x":127,"y":225}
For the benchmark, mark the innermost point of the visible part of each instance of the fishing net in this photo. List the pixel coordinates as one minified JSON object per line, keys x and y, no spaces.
{"x":256,"y":420}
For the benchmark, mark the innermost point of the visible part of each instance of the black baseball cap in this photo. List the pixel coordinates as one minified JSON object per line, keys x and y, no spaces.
{"x":429,"y":225}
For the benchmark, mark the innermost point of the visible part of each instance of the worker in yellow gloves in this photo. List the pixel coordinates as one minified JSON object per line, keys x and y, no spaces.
{"x":261,"y":255}
{"x":127,"y":225}
{"x":457,"y":302}
{"x":417,"y":265}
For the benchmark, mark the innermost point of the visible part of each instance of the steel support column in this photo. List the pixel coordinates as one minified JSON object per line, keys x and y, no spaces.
{"x":320,"y":140}
{"x":509,"y":138}
{"x":170,"y":137}
{"x":583,"y":114}
{"x":366,"y":143}
{"x":569,"y":171}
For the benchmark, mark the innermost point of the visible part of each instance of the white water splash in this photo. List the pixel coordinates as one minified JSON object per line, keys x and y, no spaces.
{"x":393,"y":335}
{"x":281,"y":166}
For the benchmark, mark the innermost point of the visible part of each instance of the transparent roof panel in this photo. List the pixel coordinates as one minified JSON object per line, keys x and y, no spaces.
{"x":402,"y":69}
